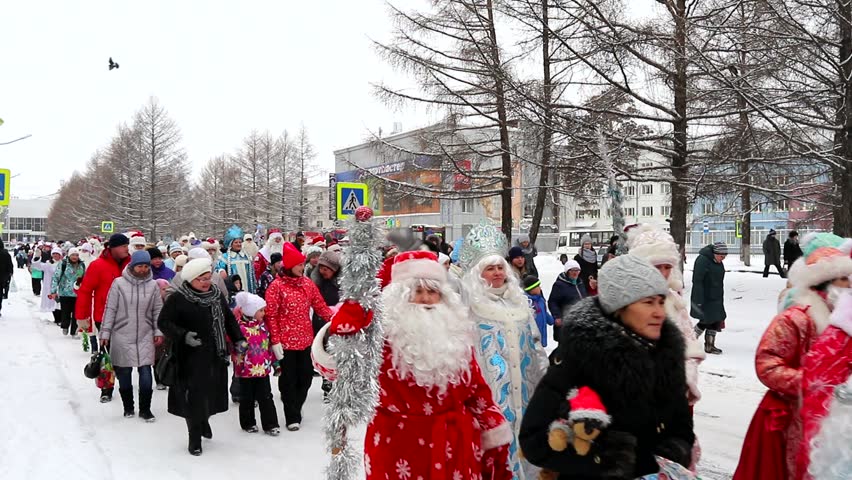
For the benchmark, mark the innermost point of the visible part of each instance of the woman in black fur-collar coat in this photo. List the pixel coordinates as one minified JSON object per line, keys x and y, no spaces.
{"x":621,"y":345}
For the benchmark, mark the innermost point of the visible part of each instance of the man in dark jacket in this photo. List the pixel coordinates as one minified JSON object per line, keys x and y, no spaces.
{"x":6,"y":271}
{"x":708,"y":294}
{"x":792,"y":250}
{"x":567,"y":290}
{"x":772,"y":254}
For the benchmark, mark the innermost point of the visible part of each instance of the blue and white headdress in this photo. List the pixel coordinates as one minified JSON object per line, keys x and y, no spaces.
{"x":484,"y":240}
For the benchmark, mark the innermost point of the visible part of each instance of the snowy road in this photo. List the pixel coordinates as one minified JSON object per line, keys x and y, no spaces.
{"x":54,"y":427}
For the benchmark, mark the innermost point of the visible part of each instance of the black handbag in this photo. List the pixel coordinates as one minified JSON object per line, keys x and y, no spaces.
{"x":93,"y":368}
{"x":167,"y":369}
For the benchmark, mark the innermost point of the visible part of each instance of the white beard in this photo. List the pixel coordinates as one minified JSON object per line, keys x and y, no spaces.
{"x":431,"y":344}
{"x":274,"y":247}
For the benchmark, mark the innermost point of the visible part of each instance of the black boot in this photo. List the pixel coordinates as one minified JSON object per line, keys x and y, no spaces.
{"x":106,"y":395}
{"x":206,"y":431}
{"x":698,"y":332}
{"x":127,"y":401}
{"x":194,"y":446}
{"x":145,"y":406}
{"x":710,"y":343}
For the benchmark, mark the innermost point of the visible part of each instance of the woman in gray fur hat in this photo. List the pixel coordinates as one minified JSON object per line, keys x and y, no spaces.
{"x":620,"y":345}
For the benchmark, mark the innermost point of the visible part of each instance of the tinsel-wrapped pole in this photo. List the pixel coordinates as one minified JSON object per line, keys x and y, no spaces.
{"x":615,"y":193}
{"x":352,"y":400}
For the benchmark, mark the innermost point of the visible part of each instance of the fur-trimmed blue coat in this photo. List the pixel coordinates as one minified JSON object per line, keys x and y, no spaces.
{"x":641,"y":384}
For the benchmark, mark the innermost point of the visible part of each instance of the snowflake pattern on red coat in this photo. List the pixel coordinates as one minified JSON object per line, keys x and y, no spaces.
{"x":434,"y":437}
{"x":288,"y":311}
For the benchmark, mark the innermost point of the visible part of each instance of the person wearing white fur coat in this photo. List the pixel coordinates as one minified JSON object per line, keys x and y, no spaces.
{"x":507,"y":345}
{"x":48,"y":266}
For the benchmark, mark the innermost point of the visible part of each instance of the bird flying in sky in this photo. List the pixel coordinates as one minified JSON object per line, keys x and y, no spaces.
{"x":112,"y":64}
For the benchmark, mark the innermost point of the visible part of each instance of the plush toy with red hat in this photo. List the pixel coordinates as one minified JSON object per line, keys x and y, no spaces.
{"x":583,"y":417}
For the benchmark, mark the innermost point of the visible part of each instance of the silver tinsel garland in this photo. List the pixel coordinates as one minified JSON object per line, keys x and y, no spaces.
{"x":353,"y":399}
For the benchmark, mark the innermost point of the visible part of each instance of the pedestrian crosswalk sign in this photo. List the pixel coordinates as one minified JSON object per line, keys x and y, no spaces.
{"x":5,"y":178}
{"x":107,"y":227}
{"x":350,"y":196}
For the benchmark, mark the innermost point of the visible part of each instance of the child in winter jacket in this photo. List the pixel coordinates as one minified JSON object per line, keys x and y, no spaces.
{"x":543,"y":318}
{"x":253,"y":366}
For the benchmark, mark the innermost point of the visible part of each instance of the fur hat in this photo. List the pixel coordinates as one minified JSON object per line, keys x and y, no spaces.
{"x":820,"y":265}
{"x":330,"y":259}
{"x":627,"y":279}
{"x":137,"y":239}
{"x":291,"y":256}
{"x":73,"y":251}
{"x":87,"y":247}
{"x":249,"y":303}
{"x":313,"y":251}
{"x":246,"y":238}
{"x":195,"y":268}
{"x":417,"y":264}
{"x":815,"y":240}
{"x":653,"y":244}
{"x":180,"y":261}
{"x":57,"y":250}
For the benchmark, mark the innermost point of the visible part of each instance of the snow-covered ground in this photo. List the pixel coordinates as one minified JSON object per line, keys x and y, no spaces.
{"x":54,"y":427}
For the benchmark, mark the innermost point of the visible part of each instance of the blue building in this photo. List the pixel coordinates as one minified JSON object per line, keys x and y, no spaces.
{"x":717,"y":220}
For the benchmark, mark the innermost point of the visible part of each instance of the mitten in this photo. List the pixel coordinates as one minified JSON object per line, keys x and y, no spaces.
{"x":191,"y":339}
{"x":617,"y":453}
{"x":158,"y":340}
{"x":676,"y":450}
{"x":495,"y":464}
{"x":350,"y":319}
{"x":278,"y":351}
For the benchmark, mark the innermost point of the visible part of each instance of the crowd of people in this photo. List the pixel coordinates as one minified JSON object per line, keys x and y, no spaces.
{"x":467,"y":389}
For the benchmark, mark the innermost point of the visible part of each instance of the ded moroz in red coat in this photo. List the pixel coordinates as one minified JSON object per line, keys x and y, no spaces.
{"x":92,"y":294}
{"x":770,"y":445}
{"x":288,"y":305}
{"x":825,"y":367}
{"x":416,"y":434}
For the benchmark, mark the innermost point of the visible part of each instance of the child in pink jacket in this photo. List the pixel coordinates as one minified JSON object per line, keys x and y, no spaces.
{"x":253,"y":367}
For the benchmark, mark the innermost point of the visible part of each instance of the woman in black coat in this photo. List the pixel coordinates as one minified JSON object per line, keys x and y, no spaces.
{"x":588,"y":260}
{"x":620,"y":345}
{"x":197,"y":320}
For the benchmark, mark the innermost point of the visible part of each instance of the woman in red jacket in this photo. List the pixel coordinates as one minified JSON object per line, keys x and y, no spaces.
{"x":289,"y":300}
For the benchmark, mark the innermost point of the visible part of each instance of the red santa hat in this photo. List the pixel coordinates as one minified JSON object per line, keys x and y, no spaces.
{"x":417,"y":264}
{"x":291,"y":256}
{"x":275,"y":232}
{"x":317,"y":241}
{"x":586,"y":404}
{"x":136,"y":238}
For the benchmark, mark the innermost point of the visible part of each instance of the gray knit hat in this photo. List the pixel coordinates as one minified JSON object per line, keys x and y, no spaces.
{"x":627,"y":279}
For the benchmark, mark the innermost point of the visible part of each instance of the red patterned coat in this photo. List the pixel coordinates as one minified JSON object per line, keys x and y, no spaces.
{"x":288,"y":311}
{"x":776,"y":425}
{"x":826,"y":366}
{"x":416,"y":434}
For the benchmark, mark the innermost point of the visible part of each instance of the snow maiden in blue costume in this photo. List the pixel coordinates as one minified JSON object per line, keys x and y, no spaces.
{"x":507,"y":346}
{"x":237,"y":262}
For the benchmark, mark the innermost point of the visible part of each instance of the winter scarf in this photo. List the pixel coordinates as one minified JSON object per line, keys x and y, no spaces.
{"x":210,"y":299}
{"x":565,"y":278}
{"x":589,"y":255}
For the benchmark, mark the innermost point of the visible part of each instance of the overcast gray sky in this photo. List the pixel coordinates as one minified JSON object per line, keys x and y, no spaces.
{"x":221,"y":68}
